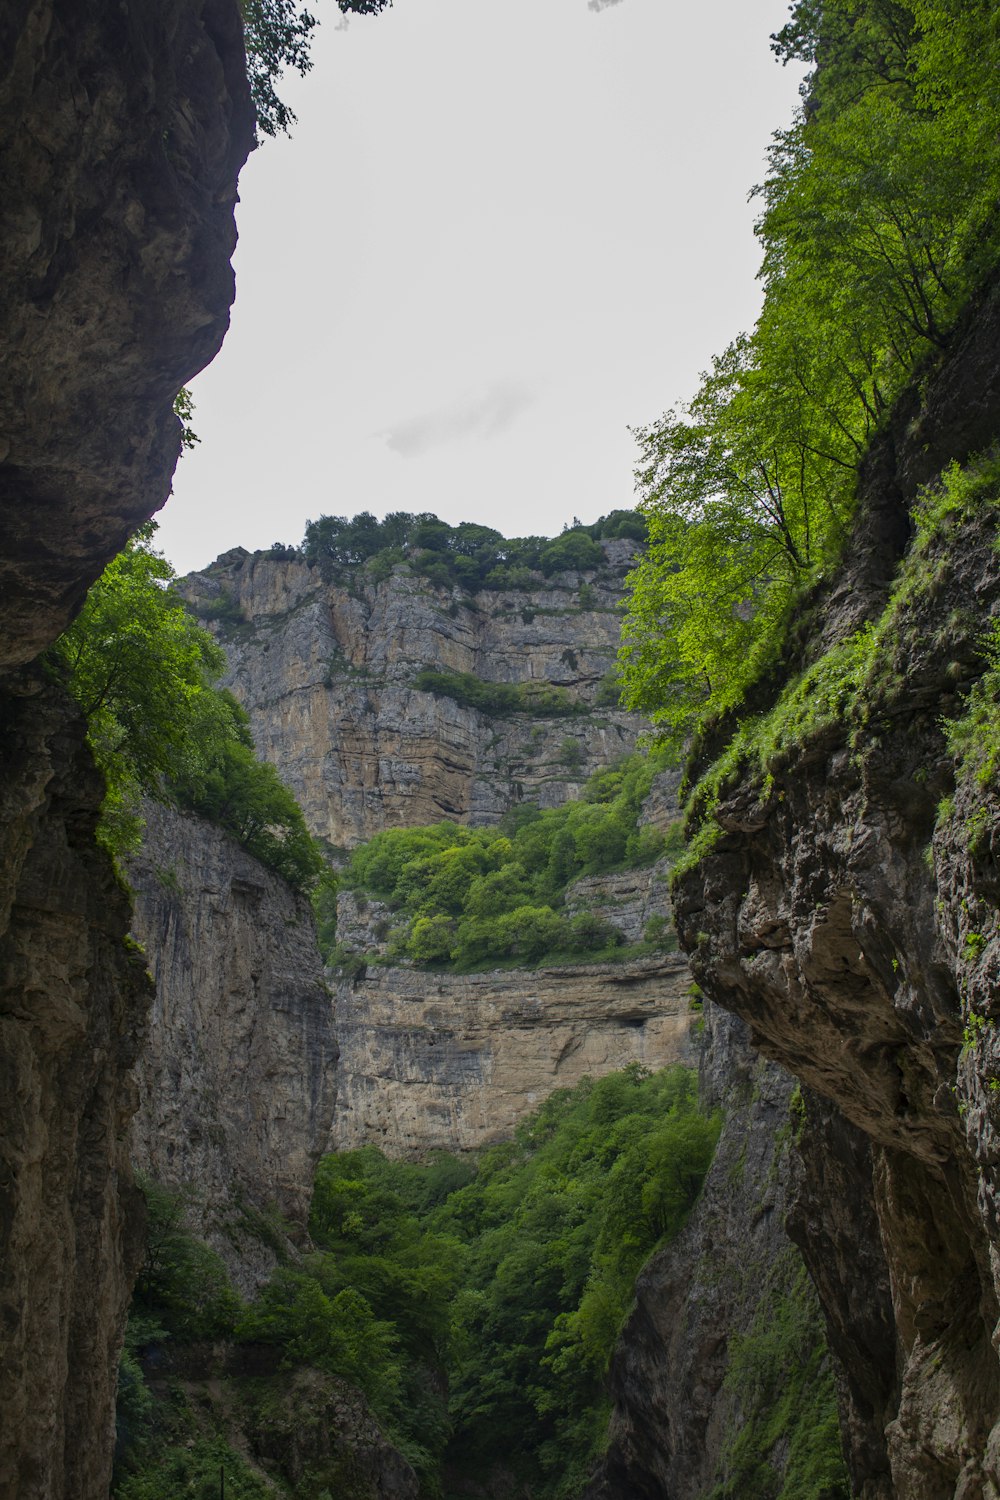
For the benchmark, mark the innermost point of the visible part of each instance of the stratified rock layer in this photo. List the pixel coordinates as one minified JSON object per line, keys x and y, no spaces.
{"x":440,"y":1060}
{"x":865,"y":959}
{"x":326,"y":674}
{"x":237,"y":1080}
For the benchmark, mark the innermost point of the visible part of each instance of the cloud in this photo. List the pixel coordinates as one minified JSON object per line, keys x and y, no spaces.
{"x":601,"y":4}
{"x":476,"y":418}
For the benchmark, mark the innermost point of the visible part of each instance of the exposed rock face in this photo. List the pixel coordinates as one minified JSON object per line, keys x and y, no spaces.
{"x":440,"y":1060}
{"x":237,"y":1081}
{"x":122,"y":131}
{"x":675,"y":1413}
{"x":326,"y":674}
{"x":72,"y":1008}
{"x":858,"y":961}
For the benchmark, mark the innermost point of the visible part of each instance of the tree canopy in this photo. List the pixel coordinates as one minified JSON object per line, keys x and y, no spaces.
{"x":143,"y":672}
{"x":277,"y":35}
{"x":878,"y":220}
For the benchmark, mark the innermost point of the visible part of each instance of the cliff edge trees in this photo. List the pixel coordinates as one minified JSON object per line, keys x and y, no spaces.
{"x":878,"y":222}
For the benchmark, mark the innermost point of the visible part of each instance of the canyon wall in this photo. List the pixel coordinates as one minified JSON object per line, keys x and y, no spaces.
{"x":237,"y":1081}
{"x":122,"y":132}
{"x":455,"y":1061}
{"x":326,"y":673}
{"x":850,"y":917}
{"x":720,"y":1380}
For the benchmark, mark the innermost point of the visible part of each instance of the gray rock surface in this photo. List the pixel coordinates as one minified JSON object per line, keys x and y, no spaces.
{"x":440,"y":1060}
{"x":674,"y":1414}
{"x":326,"y":672}
{"x":237,"y":1080}
{"x":864,"y":959}
{"x":121,"y":131}
{"x":73,"y":1001}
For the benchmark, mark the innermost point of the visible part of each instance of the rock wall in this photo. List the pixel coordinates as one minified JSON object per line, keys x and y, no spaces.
{"x":237,"y":1081}
{"x":676,"y":1408}
{"x":441,"y":1060}
{"x":73,"y":1001}
{"x":326,"y":674}
{"x":122,"y":130}
{"x":855,"y":932}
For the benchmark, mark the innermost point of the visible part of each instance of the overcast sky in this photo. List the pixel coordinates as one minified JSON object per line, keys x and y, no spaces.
{"x":503,"y":232}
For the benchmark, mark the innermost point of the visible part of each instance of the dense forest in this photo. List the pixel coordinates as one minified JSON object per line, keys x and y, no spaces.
{"x":474,"y":1302}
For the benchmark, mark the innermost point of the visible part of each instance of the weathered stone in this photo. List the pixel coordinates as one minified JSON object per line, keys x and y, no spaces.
{"x":122,"y":132}
{"x":73,"y":1001}
{"x":868,"y":967}
{"x":237,"y":1080}
{"x":440,"y":1060}
{"x":325,"y":672}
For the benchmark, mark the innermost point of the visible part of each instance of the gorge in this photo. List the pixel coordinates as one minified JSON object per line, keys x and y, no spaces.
{"x":835,"y":902}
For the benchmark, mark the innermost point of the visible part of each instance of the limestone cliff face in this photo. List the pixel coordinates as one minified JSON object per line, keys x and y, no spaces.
{"x":326,"y":674}
{"x":864,"y":959}
{"x":441,"y":1060}
{"x":237,"y":1081}
{"x":122,"y":130}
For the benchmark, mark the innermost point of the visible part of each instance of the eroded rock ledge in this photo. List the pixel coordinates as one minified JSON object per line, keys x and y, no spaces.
{"x":449,"y":1061}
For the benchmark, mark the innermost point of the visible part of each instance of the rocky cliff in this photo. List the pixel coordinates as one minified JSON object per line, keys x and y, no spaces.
{"x":326,"y":672}
{"x":721,"y":1381}
{"x":849,"y":916}
{"x":122,"y":132}
{"x":237,"y":1081}
{"x":452,"y":1061}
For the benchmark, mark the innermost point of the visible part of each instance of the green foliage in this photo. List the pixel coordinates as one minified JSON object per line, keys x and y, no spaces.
{"x":498,"y":699}
{"x":184,"y":411}
{"x":142,"y":671}
{"x":557,"y":1225}
{"x":479,"y":1303}
{"x":182,"y":1290}
{"x":855,"y":680}
{"x":878,"y":222}
{"x":192,"y":1469}
{"x":475,"y":896}
{"x":468,"y":556}
{"x":137,"y":665}
{"x":780,"y":1373}
{"x":278,"y":34}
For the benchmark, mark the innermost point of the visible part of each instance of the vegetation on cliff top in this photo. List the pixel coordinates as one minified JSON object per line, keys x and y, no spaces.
{"x":856,"y":681}
{"x":474,"y":1304}
{"x":143,"y":672}
{"x":467,"y":556}
{"x":878,"y":221}
{"x":470,"y":897}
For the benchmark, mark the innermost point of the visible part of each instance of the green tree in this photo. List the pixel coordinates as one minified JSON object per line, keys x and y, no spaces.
{"x":278,"y":34}
{"x":878,"y":222}
{"x":137,"y":665}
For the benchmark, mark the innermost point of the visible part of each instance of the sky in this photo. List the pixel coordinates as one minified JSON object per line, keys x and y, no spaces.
{"x":502,"y":233}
